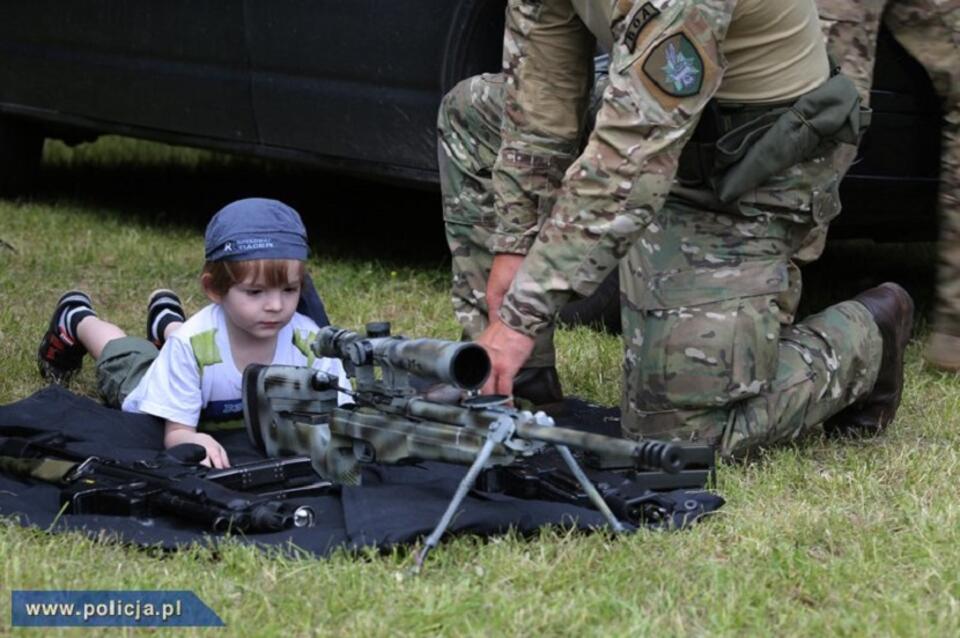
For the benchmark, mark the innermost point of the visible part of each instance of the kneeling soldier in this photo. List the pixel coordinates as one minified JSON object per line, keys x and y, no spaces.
{"x":710,"y":164}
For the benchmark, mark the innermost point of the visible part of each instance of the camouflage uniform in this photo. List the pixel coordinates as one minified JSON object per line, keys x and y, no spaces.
{"x":470,"y":141}
{"x":930,"y":31}
{"x":709,"y":288}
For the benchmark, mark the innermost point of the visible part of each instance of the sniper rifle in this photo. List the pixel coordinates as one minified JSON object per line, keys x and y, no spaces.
{"x":290,"y":410}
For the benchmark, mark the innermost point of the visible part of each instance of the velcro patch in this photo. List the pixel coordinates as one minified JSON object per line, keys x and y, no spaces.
{"x":675,"y":66}
{"x":640,"y":19}
{"x":520,"y":159}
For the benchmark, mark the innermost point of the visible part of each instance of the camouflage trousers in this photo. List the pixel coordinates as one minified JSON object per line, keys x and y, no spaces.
{"x":930,"y":31}
{"x":708,"y":296}
{"x":469,"y":140}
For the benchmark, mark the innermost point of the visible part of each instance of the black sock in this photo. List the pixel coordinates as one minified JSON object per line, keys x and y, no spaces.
{"x":163,"y":309}
{"x":73,"y":308}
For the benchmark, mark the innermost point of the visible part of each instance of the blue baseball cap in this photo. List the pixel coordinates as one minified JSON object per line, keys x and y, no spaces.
{"x":255,"y":228}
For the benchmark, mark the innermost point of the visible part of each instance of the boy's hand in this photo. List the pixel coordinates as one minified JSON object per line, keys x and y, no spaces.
{"x":177,"y":433}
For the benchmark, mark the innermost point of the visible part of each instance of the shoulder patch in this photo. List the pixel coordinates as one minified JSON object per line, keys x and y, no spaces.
{"x":676,"y":66}
{"x":640,"y":19}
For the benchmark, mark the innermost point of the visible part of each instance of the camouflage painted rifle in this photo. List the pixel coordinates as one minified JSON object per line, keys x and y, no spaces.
{"x":293,"y":411}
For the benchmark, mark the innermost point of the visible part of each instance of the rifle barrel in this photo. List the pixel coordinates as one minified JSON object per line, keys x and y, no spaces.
{"x":651,"y":455}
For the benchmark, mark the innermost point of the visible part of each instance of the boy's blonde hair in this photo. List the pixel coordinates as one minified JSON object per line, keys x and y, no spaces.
{"x":220,"y":275}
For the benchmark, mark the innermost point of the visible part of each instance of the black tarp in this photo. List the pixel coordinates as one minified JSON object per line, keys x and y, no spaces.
{"x":396,"y":504}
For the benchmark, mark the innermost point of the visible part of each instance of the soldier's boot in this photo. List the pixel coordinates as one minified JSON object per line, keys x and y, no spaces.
{"x":943,"y":352}
{"x":892,"y":310}
{"x":541,"y":388}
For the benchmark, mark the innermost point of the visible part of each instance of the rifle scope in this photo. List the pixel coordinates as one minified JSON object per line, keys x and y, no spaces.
{"x":465,"y":365}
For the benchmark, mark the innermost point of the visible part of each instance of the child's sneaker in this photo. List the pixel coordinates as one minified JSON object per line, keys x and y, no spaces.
{"x":163,"y":308}
{"x":60,"y":355}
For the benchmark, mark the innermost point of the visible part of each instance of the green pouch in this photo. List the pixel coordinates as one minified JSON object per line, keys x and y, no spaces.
{"x":749,"y":155}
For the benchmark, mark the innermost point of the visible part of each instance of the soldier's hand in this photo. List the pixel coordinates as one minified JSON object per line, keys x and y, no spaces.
{"x":508,"y":350}
{"x":502,"y":272}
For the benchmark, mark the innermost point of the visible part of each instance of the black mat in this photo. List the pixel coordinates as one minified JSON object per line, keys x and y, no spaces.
{"x":396,"y":505}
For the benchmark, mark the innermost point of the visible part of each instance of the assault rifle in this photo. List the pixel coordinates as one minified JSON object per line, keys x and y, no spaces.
{"x":292,"y":410}
{"x":245,"y":498}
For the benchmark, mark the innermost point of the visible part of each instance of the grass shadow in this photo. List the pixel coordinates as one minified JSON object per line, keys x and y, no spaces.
{"x":159,"y":185}
{"x":350,"y":218}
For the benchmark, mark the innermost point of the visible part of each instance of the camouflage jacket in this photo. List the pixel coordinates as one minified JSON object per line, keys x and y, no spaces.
{"x":574,"y":214}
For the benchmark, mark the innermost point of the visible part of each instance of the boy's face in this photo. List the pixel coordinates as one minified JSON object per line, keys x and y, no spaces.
{"x":261,"y":311}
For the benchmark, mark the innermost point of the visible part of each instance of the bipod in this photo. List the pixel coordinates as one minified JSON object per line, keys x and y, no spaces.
{"x":499,"y":432}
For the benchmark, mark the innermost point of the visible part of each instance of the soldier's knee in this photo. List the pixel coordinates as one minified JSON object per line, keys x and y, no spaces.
{"x":467,"y":98}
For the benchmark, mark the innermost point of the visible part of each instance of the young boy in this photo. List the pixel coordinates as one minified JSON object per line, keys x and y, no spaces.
{"x":255,"y":253}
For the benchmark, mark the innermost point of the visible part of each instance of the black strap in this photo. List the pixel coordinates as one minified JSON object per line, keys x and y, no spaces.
{"x":310,"y":303}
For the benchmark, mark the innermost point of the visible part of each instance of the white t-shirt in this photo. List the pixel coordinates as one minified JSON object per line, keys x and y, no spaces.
{"x":176,"y":389}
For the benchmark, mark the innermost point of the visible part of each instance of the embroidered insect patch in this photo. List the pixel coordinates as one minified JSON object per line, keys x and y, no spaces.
{"x":675,"y":66}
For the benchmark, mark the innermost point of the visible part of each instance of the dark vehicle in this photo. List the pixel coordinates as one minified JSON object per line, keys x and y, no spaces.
{"x":351,"y":85}
{"x":891,"y":192}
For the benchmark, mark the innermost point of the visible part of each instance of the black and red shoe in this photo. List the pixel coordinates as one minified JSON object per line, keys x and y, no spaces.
{"x":60,"y":355}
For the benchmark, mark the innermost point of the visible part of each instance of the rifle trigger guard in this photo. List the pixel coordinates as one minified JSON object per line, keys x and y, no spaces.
{"x":80,"y":470}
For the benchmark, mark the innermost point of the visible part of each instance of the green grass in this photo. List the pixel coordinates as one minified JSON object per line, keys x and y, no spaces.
{"x":856,"y":538}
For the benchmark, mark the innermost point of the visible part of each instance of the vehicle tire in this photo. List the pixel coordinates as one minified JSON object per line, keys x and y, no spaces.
{"x":600,"y":310}
{"x":21,"y":147}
